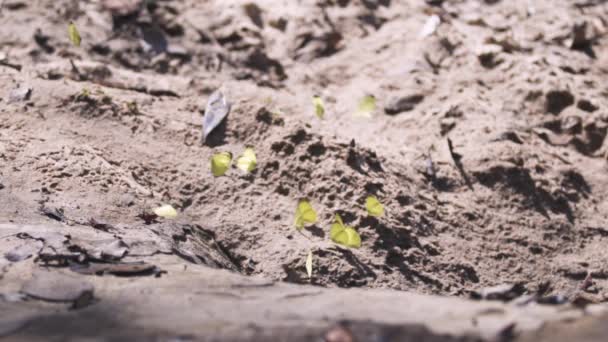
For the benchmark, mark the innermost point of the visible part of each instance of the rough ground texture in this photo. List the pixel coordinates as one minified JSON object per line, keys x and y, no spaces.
{"x":488,"y":149}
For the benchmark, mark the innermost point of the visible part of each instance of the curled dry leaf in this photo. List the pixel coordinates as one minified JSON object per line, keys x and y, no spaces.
{"x":217,"y":109}
{"x":309,"y":264}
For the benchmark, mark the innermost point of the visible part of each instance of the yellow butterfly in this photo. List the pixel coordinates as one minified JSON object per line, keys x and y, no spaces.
{"x":73,"y":34}
{"x":166,"y":211}
{"x":305,"y":214}
{"x":220,"y":162}
{"x":367,"y":106}
{"x":374,"y":207}
{"x":319,"y":106}
{"x":247,"y":161}
{"x":344,"y":235}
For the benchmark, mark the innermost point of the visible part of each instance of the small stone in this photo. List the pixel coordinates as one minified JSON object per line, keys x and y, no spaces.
{"x":22,"y":93}
{"x":504,"y":292}
{"x":23,"y":251}
{"x":446,"y":125}
{"x":582,"y":36}
{"x":558,"y":100}
{"x":403,"y":104}
{"x":122,"y":7}
{"x":57,"y":287}
{"x":430,"y":26}
{"x":587,"y":106}
{"x":489,"y":55}
{"x":572,"y":124}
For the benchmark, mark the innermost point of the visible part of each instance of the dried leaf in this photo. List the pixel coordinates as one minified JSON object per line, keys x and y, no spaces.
{"x":309,"y":264}
{"x":217,"y":109}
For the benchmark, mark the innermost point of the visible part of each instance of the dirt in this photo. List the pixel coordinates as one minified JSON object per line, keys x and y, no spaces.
{"x":487,"y":148}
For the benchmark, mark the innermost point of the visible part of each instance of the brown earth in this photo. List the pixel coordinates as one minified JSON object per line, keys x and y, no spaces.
{"x":488,"y":147}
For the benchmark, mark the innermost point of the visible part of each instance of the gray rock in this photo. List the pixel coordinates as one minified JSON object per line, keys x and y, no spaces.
{"x":57,"y":287}
{"x":23,"y":251}
{"x":402,"y":104}
{"x":22,"y":93}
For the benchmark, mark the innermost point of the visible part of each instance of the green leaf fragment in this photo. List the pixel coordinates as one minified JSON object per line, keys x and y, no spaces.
{"x":373,"y":206}
{"x":73,"y":34}
{"x":305,"y":214}
{"x":220,"y":162}
{"x":319,"y":106}
{"x":247,"y":161}
{"x":344,"y":235}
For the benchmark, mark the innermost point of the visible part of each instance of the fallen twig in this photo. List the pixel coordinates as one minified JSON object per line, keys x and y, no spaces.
{"x":17,"y":67}
{"x":457,"y":161}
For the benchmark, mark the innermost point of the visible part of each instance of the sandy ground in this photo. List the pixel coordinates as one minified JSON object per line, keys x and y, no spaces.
{"x":487,"y":148}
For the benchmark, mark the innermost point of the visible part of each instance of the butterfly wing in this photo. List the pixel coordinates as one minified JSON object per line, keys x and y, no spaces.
{"x":73,"y":34}
{"x":166,"y":211}
{"x":305,"y":214}
{"x":319,"y":106}
{"x":220,"y":163}
{"x":367,"y":106}
{"x":374,"y":207}
{"x":247,"y":161}
{"x":353,"y":239}
{"x":336,"y":228}
{"x":348,"y":237}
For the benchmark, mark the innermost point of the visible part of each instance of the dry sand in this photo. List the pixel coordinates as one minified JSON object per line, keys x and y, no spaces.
{"x":487,"y":149}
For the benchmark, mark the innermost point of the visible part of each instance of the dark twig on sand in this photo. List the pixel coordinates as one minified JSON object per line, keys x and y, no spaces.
{"x":11,"y":65}
{"x":430,"y":167}
{"x":456,"y":157}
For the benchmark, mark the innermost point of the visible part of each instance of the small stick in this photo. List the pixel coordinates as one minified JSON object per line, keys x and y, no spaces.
{"x":304,"y":235}
{"x":76,"y":70}
{"x":430,"y":167}
{"x":11,"y":65}
{"x":457,"y":161}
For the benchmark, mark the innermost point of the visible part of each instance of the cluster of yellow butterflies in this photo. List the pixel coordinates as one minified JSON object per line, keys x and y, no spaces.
{"x":247,"y":162}
{"x":339,"y":232}
{"x":365,"y":108}
{"x":220,"y":162}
